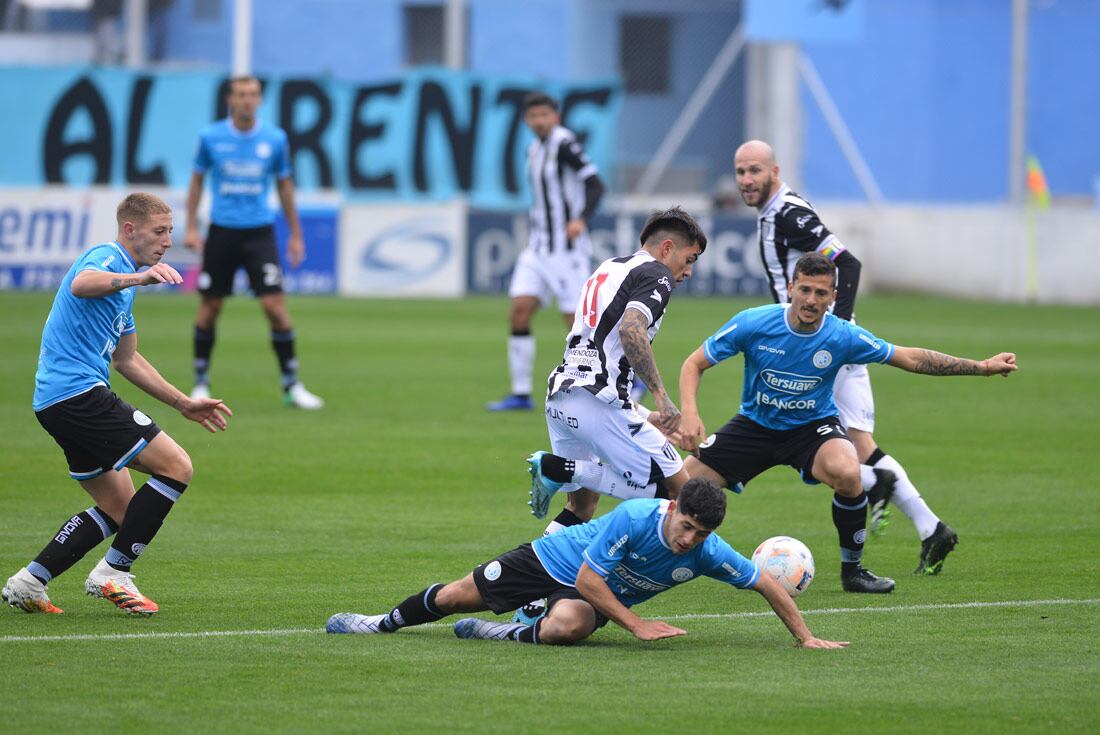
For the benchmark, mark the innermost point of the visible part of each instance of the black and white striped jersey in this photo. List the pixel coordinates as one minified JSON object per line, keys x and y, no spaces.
{"x":561,"y":190}
{"x":788,"y":227}
{"x":594,"y":358}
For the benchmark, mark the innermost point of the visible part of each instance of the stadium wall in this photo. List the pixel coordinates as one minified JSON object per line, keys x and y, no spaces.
{"x":995,"y":253}
{"x":446,"y":249}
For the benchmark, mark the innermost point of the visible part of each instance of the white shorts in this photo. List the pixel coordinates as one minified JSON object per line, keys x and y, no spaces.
{"x":854,"y":399}
{"x":583,"y":427}
{"x":559,"y":276}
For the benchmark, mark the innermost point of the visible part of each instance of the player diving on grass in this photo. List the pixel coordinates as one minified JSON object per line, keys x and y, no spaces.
{"x":793,"y":353}
{"x":595,"y":572}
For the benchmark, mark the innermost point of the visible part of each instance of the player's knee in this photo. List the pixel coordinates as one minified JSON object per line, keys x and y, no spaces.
{"x":177,"y":465}
{"x":582,"y":503}
{"x":564,"y":629}
{"x":460,"y":596}
{"x":209,"y":311}
{"x":846,"y":481}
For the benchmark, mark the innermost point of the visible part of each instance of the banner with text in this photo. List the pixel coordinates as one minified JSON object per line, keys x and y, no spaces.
{"x":431,"y":135}
{"x":730,"y":265}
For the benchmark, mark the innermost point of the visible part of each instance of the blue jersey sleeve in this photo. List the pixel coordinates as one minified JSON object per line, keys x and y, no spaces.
{"x":725,"y":342}
{"x":280,"y":163}
{"x":608,"y":548}
{"x":730,"y":567}
{"x":104,"y":259}
{"x":202,"y":155}
{"x":865,"y":347}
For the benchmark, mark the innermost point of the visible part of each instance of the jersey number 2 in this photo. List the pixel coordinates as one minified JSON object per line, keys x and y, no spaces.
{"x":592,"y":286}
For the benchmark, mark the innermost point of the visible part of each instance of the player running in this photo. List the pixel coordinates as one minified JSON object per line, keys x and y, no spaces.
{"x":595,"y":572}
{"x":788,"y":227}
{"x":90,"y":327}
{"x":590,"y":415}
{"x":793,"y":353}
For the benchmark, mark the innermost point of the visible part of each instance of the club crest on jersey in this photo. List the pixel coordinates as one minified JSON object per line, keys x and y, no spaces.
{"x":263,"y":149}
{"x":823,"y":359}
{"x":119,"y":323}
{"x":682,"y":574}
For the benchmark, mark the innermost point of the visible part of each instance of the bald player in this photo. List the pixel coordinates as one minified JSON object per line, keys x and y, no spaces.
{"x":787,"y":227}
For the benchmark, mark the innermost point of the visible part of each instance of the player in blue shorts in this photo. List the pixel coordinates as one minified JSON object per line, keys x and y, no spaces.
{"x":90,"y":327}
{"x":792,"y":355}
{"x":595,"y":572}
{"x":242,"y":154}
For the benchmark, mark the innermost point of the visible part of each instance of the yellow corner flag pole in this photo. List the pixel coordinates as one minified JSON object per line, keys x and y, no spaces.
{"x":1039,"y":199}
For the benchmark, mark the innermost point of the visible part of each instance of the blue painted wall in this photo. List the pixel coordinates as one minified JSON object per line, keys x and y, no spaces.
{"x":925,"y":90}
{"x":926,"y":94}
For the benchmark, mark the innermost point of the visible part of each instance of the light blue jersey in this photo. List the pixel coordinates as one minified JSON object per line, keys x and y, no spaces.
{"x":789,"y":375}
{"x":241,"y":165}
{"x":81,"y":334}
{"x":627,"y":548}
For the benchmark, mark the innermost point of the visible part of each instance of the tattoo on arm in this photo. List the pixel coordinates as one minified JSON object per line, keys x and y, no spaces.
{"x":635,"y":338}
{"x":930,"y":362}
{"x":121,"y":283}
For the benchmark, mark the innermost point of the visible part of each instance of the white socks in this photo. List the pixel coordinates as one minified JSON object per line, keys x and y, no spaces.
{"x":906,"y":496}
{"x":521,"y":360}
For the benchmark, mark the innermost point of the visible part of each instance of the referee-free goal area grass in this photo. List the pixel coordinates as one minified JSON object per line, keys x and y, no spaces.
{"x":403,"y":479}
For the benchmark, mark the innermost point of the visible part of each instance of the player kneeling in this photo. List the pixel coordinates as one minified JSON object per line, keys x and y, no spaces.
{"x":595,"y":572}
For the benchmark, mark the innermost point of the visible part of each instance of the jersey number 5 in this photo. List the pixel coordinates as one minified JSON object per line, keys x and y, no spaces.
{"x":591,"y":298}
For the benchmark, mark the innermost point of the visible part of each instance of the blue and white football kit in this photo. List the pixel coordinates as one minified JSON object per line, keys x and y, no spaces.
{"x":787,"y":408}
{"x":788,"y":227}
{"x":81,"y":334}
{"x":626,"y":547}
{"x":72,"y":397}
{"x":241,"y":166}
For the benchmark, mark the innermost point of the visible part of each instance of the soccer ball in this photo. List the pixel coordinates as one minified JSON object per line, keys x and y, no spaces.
{"x":788,"y":561}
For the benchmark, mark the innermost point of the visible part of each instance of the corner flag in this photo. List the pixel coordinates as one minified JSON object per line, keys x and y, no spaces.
{"x":1037,"y":183}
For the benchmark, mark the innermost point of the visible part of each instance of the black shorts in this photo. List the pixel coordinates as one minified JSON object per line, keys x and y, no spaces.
{"x":742,"y":449}
{"x":229,"y":248}
{"x":98,"y":431}
{"x":517,"y":577}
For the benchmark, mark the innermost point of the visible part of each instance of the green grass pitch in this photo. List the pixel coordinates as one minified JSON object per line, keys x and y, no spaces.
{"x":403,"y":480}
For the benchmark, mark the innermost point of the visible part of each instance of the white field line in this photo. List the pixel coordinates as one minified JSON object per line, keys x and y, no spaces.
{"x":690,"y":616}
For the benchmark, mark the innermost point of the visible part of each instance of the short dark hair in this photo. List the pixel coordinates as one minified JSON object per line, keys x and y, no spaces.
{"x":814,"y":264}
{"x":704,"y":501}
{"x":539,"y":99}
{"x":240,"y":79}
{"x":674,"y":221}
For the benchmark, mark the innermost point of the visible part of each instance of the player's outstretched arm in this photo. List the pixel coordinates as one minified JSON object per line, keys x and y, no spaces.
{"x":788,"y":612}
{"x":210,"y":413}
{"x":594,"y":589}
{"x":692,"y":430}
{"x":930,"y":362}
{"x":92,"y":284}
{"x":634,"y":335}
